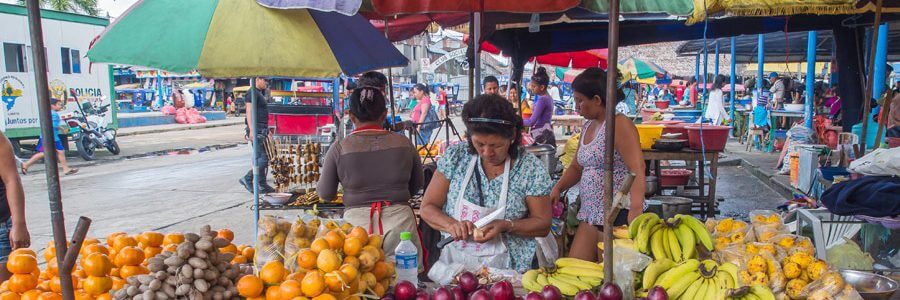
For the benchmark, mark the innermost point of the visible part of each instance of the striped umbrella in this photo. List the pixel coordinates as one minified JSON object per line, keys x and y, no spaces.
{"x":230,"y":39}
{"x":639,"y":70}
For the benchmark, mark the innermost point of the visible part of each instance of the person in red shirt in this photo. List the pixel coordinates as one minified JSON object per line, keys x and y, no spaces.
{"x":442,"y":103}
{"x":679,"y":93}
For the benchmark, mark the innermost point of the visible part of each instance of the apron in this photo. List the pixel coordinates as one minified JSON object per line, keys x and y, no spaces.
{"x":474,"y":255}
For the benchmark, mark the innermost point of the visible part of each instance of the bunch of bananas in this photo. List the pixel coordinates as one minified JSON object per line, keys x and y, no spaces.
{"x":570,"y":276}
{"x":753,"y":292}
{"x":691,"y":279}
{"x":674,"y":239}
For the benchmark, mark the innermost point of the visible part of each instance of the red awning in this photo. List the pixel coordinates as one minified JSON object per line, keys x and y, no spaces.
{"x":404,"y":7}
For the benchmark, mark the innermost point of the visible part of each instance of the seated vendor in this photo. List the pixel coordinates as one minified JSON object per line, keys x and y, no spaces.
{"x":379,"y":171}
{"x":491,"y":172}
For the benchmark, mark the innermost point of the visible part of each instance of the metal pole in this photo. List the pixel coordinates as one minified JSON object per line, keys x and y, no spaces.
{"x":880,"y":63}
{"x":732,"y":80}
{"x":611,"y":87}
{"x":705,"y":75}
{"x":159,"y":88}
{"x":57,"y":218}
{"x":810,"y":77}
{"x":717,"y":60}
{"x":336,"y":104}
{"x":477,"y":44}
{"x":390,"y":84}
{"x":867,"y":107}
{"x":254,"y":142}
{"x":760,"y":59}
{"x":697,"y":68}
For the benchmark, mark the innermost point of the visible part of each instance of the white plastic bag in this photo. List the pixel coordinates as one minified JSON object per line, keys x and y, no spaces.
{"x":881,"y":162}
{"x":548,"y":246}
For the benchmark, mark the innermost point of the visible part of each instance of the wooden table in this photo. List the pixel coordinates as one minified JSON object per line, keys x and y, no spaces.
{"x":567,"y":120}
{"x":706,"y":200}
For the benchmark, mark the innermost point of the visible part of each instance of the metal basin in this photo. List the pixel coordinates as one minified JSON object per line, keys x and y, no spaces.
{"x":547,"y":154}
{"x":672,"y":205}
{"x":870,"y":285}
{"x":652,"y":186}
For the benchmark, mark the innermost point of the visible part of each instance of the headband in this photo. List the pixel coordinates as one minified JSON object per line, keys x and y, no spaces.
{"x":489,"y":120}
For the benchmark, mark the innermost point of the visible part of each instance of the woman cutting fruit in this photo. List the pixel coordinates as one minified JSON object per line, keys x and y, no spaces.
{"x":378,"y":169}
{"x":491,"y":179}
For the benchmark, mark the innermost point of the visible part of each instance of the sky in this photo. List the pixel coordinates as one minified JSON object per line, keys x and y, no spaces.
{"x":114,"y":7}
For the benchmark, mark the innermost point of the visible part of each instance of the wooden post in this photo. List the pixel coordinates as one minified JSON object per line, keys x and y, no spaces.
{"x":611,"y":86}
{"x":867,"y":107}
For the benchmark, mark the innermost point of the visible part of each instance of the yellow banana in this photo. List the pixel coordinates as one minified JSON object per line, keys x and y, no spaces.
{"x":699,"y":230}
{"x":732,"y":270}
{"x":574,"y":262}
{"x":692,"y":290}
{"x":751,"y":296}
{"x":712,"y":289}
{"x":639,"y":221}
{"x":657,"y":244}
{"x":674,"y":246}
{"x":724,"y":280}
{"x":573,"y":280}
{"x":593,"y":281}
{"x":529,"y":281}
{"x":653,"y":270}
{"x":542,"y":280}
{"x":680,"y":285}
{"x":665,"y":242}
{"x":701,"y":292}
{"x":643,"y":237}
{"x":667,"y":279}
{"x":579,"y":271}
{"x":687,"y":240}
{"x":762,"y":292}
{"x":564,"y":287}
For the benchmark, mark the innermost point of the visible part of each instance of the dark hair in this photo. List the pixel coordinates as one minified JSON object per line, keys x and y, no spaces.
{"x":514,"y":87}
{"x":373,"y":79}
{"x":367,"y":104}
{"x":490,"y":78}
{"x":592,"y":82}
{"x":493,"y":107}
{"x":540,"y":76}
{"x":719,"y":82}
{"x":421,"y":88}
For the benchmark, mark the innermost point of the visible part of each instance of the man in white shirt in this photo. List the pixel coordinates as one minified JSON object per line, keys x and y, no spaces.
{"x":777,"y":90}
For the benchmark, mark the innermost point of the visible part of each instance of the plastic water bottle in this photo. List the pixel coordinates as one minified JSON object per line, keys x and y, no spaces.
{"x":405,"y":256}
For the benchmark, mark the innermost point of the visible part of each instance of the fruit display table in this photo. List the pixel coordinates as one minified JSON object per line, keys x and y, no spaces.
{"x":707,"y":200}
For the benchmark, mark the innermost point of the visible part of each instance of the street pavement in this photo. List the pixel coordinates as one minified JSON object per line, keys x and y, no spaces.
{"x":150,"y":187}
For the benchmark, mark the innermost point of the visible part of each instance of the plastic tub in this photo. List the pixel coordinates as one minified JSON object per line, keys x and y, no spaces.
{"x":672,"y":126}
{"x":661,"y":104}
{"x":674,"y":177}
{"x":688,"y":112}
{"x":647,"y":114}
{"x":686,"y":119}
{"x":649,"y":134}
{"x":828,"y":173}
{"x":714,"y":137}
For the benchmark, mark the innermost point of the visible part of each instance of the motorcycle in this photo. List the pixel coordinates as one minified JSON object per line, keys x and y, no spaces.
{"x":89,"y":131}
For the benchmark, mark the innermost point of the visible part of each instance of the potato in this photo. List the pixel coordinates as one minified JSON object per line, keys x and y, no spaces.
{"x":204,"y":245}
{"x":161,"y":295}
{"x":174,"y":261}
{"x":220,"y":242}
{"x":201,"y":254}
{"x":198,"y":273}
{"x":155,"y":285}
{"x":187,"y":271}
{"x":132,"y":291}
{"x":191,"y":237}
{"x":201,"y":285}
{"x":183,"y":289}
{"x":169,"y":290}
{"x":161,"y":275}
{"x":197,"y":263}
{"x":211,"y":275}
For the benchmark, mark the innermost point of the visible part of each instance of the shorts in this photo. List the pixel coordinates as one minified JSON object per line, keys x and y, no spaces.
{"x":5,"y":244}
{"x":40,"y":145}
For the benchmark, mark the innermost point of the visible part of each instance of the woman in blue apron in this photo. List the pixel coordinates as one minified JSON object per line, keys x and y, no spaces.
{"x":490,"y":173}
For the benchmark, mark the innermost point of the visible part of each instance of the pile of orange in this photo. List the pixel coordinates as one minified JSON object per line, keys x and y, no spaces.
{"x":243,"y":254}
{"x":343,"y":263}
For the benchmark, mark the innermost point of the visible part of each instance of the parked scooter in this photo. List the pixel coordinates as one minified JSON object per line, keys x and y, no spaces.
{"x":89,"y":131}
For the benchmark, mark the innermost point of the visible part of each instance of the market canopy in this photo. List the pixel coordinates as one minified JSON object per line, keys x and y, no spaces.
{"x":229,"y":39}
{"x":783,"y":47}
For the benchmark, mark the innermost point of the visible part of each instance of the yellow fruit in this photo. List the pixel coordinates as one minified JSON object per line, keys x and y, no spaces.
{"x":369,"y":278}
{"x":306,"y":259}
{"x":375,"y":241}
{"x":324,"y":297}
{"x":724,"y":226}
{"x":756,"y":264}
{"x":738,"y":237}
{"x":250,"y":286}
{"x":768,"y":248}
{"x":816,"y":269}
{"x":367,"y":261}
{"x":328,"y":261}
{"x":302,"y":243}
{"x":752,"y":249}
{"x":272,"y":272}
{"x":313,"y":284}
{"x":352,"y":260}
{"x":801,"y":259}
{"x":336,"y":281}
{"x":759,"y":278}
{"x":318,"y":245}
{"x":773,"y":219}
{"x":759,"y":219}
{"x":792,"y":270}
{"x":786,"y":242}
{"x":359,"y":233}
{"x":335,"y":239}
{"x":795,"y":287}
{"x":290,"y":289}
{"x":380,"y":270}
{"x":738,"y":226}
{"x":352,"y":246}
{"x":349,"y":271}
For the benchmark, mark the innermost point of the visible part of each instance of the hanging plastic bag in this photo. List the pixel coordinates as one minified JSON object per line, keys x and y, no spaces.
{"x":626,"y":263}
{"x":270,"y":241}
{"x":301,"y":235}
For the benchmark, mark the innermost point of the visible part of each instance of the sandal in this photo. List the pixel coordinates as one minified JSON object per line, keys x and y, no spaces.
{"x":72,"y":171}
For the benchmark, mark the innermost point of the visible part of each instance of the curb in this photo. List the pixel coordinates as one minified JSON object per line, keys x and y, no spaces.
{"x":180,"y":128}
{"x":785,"y":190}
{"x":143,"y":155}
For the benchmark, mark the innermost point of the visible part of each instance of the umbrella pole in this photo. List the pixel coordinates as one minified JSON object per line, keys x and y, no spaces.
{"x":870,"y":84}
{"x":811,"y":42}
{"x":610,"y":140}
{"x":390,"y":84}
{"x":50,"y":155}
{"x":733,"y":76}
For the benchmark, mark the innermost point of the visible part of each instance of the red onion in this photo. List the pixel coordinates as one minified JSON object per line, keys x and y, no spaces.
{"x":610,"y":291}
{"x":458,"y":293}
{"x":551,"y":293}
{"x":534,"y":296}
{"x":657,"y":293}
{"x":468,"y":282}
{"x":503,"y":290}
{"x":422,"y":295}
{"x":585,"y":295}
{"x":405,"y":290}
{"x":480,"y":295}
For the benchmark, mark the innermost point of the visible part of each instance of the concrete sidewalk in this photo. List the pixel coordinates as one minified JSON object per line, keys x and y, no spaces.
{"x":761,"y":165}
{"x":129,"y":131}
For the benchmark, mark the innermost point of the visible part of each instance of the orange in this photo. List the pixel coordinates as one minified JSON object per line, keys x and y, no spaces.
{"x":352,"y":260}
{"x":21,"y":263}
{"x":170,"y":247}
{"x":9,"y":296}
{"x":52,"y":267}
{"x":380,"y":270}
{"x":324,"y":297}
{"x":56,"y":287}
{"x":150,"y":252}
{"x":4,"y":286}
{"x":128,"y":271}
{"x":49,"y":296}
{"x":151,"y":239}
{"x":318,"y":245}
{"x":335,"y":239}
{"x":173,"y":238}
{"x":226,"y":234}
{"x":230,"y":248}
{"x":248,"y":252}
{"x":352,"y":246}
{"x":31,"y":295}
{"x":328,"y":261}
{"x":359,"y":233}
{"x":313,"y":284}
{"x":349,"y":271}
{"x":272,"y":272}
{"x":96,"y":264}
{"x":23,"y":251}
{"x":250,"y":286}
{"x":289,"y":289}
{"x":123,"y":241}
{"x":374,"y":241}
{"x":273,"y":293}
{"x":336,"y":281}
{"x":82,"y":295}
{"x":306,"y":259}
{"x":379,"y":289}
{"x":93,"y":248}
{"x":129,"y":256}
{"x":21,"y":283}
{"x":239,"y":259}
{"x":105,"y":296}
{"x":117,"y":283}
{"x":97,"y":285}
{"x":114,"y":272}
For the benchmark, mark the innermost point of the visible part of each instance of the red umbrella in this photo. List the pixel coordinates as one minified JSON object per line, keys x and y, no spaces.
{"x":405,"y":27}
{"x":576,"y":59}
{"x":402,"y":7}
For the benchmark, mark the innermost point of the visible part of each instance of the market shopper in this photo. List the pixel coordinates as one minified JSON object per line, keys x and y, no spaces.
{"x":715,"y":110}
{"x":260,"y":116}
{"x":491,"y":85}
{"x":13,"y":231}
{"x":379,"y":171}
{"x":55,"y":106}
{"x":587,"y":168}
{"x":424,"y":115}
{"x":777,"y":90}
{"x":540,"y":120}
{"x":490,"y":172}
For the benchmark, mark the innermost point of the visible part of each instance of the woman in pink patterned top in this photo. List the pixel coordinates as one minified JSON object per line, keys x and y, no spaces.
{"x":590,"y":90}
